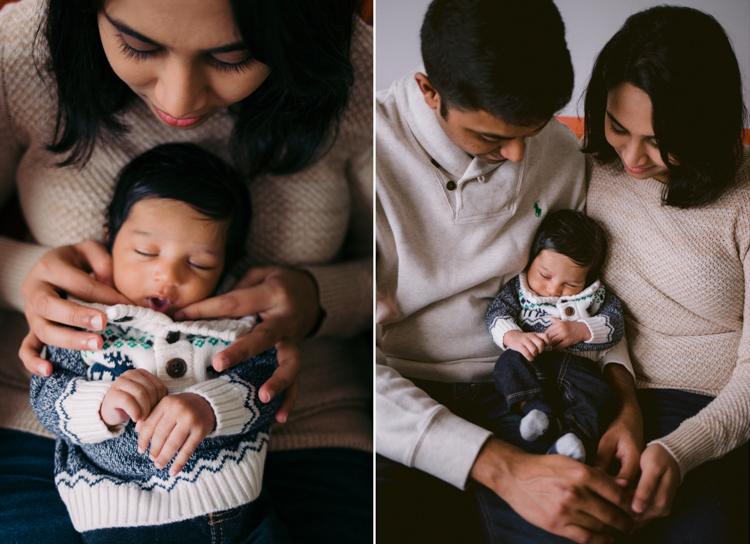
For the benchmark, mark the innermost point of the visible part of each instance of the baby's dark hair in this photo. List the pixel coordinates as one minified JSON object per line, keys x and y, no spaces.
{"x":190,"y":174}
{"x":571,"y":233}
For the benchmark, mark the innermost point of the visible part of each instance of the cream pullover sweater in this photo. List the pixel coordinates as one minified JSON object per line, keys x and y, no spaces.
{"x":684,"y":280}
{"x":319,"y":219}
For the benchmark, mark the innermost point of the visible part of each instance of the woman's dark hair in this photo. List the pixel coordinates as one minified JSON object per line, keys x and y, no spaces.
{"x":190,"y":174}
{"x":506,"y":57}
{"x":684,"y":61}
{"x":286,"y":124}
{"x":573,"y":234}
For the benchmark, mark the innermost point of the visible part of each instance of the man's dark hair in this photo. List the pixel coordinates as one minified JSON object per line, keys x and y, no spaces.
{"x":573,"y":234}
{"x":287,"y":123}
{"x":190,"y":174}
{"x":506,"y":57}
{"x":683,"y":60}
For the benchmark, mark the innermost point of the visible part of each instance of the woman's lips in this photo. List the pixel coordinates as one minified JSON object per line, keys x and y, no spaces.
{"x":173,"y":121}
{"x":637,"y":170}
{"x":159,"y":304}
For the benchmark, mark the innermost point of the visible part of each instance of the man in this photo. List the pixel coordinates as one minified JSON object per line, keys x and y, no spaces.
{"x":469,"y":161}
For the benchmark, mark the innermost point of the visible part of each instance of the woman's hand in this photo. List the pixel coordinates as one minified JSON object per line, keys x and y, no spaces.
{"x":660,"y":478}
{"x":66,"y":269}
{"x":287,"y":302}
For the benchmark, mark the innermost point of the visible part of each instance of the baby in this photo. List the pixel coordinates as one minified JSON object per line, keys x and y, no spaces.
{"x":176,"y":224}
{"x":558,"y":304}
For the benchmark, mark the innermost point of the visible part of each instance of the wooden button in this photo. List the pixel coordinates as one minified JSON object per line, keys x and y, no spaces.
{"x":172,"y":337}
{"x":176,"y":368}
{"x":570,"y":311}
{"x":451,"y":185}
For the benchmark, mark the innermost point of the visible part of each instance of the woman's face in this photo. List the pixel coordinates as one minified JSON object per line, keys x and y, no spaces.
{"x":628,"y":128}
{"x":184,"y":58}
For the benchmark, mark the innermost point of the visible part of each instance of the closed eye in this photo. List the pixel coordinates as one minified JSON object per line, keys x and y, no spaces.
{"x":145,"y":253}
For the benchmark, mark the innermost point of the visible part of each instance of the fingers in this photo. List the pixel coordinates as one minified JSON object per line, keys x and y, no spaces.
{"x":287,"y":404}
{"x":605,"y":453}
{"x":650,"y":479}
{"x":148,"y":427}
{"x":263,"y":337}
{"x":604,"y":486}
{"x":629,"y":461}
{"x":254,"y":276}
{"x":29,"y":353}
{"x":289,"y":360}
{"x":236,"y":303}
{"x":99,"y":260}
{"x":187,"y":449}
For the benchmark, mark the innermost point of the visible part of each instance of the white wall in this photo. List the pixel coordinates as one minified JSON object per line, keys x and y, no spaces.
{"x":589,"y":25}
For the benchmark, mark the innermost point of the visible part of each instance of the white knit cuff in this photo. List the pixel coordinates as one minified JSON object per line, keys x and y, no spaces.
{"x":227,"y":399}
{"x":78,"y":409}
{"x":600,"y":332}
{"x":500,"y":327}
{"x":690,"y":445}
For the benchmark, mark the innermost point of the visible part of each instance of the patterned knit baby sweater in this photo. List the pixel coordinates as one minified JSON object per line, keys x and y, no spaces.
{"x":99,"y":473}
{"x":319,"y":219}
{"x":518,"y":308}
{"x":684,"y":279}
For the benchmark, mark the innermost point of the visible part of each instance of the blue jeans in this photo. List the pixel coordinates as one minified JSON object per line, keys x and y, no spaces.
{"x":321,"y":495}
{"x":253,"y":523}
{"x":572,"y":386}
{"x":711,"y":505}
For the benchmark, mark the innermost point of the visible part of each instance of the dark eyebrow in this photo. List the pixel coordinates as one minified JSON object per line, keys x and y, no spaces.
{"x":125,"y":29}
{"x":500,"y":137}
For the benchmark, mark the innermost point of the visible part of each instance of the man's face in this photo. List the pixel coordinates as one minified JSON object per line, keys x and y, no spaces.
{"x":479,"y":133}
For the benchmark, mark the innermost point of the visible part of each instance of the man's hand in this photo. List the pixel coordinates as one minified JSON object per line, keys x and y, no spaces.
{"x":131,"y":396}
{"x":567,"y":333}
{"x":528,"y":344}
{"x":178,"y":423}
{"x":555,"y":492}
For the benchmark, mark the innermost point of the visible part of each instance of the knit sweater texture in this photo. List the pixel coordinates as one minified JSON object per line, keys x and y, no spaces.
{"x":683,"y":277}
{"x":96,"y":464}
{"x":518,"y":308}
{"x":319,"y":219}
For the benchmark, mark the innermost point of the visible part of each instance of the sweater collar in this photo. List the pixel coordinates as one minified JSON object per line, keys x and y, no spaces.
{"x":423,"y":123}
{"x":537,"y":300}
{"x":151,"y":321}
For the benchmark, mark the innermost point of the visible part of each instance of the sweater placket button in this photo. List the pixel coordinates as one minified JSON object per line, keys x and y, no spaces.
{"x":569,"y":311}
{"x":451,"y":185}
{"x":176,"y":368}
{"x":172,"y":337}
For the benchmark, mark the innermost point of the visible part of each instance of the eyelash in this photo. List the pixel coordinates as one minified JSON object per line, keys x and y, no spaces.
{"x":137,"y":54}
{"x":624,"y":132}
{"x":191,"y":264}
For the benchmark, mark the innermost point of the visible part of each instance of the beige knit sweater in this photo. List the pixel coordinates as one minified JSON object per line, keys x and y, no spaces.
{"x":684,"y":279}
{"x":319,"y":219}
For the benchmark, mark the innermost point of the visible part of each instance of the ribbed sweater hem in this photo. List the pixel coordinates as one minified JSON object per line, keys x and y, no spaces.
{"x":97,"y":502}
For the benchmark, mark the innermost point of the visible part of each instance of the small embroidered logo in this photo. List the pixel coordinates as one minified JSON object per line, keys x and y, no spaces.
{"x":537,"y":209}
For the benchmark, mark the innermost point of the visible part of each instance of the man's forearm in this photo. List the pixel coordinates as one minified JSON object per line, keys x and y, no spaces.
{"x":622,"y":382}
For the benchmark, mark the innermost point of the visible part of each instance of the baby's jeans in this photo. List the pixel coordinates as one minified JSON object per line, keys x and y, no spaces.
{"x":572,"y":386}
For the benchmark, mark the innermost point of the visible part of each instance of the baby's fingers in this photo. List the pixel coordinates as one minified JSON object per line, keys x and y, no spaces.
{"x":187,"y":449}
{"x":162,"y":451}
{"x":148,"y":427}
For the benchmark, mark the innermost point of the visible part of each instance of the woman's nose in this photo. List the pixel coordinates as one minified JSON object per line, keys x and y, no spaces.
{"x":514,"y":149}
{"x":181,"y":89}
{"x":634,"y":154}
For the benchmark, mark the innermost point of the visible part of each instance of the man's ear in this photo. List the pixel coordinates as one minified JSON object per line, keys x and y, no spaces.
{"x":431,"y":96}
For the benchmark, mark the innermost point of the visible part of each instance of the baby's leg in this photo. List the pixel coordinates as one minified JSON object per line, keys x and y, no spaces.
{"x":525,"y":386}
{"x":589,"y":402}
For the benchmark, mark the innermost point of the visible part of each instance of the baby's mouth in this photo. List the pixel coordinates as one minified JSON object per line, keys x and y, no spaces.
{"x":159,"y":304}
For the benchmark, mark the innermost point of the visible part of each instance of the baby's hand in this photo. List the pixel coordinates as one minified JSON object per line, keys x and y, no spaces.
{"x":566,"y":333}
{"x":528,"y":344}
{"x":178,"y":423}
{"x":131,"y":396}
